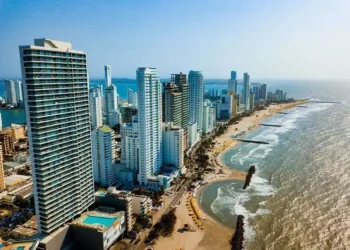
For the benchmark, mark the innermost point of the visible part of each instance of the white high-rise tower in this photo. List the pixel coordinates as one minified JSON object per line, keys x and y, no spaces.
{"x":105,"y":172}
{"x":56,"y":100}
{"x":96,"y":102}
{"x":130,"y":96}
{"x":149,"y":91}
{"x":196,"y":82}
{"x":113,"y":115}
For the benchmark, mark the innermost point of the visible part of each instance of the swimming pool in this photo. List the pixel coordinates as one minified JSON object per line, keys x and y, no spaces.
{"x":20,"y":248}
{"x":98,"y":220}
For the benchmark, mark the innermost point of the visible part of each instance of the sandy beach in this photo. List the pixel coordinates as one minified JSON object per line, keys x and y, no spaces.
{"x":215,"y":235}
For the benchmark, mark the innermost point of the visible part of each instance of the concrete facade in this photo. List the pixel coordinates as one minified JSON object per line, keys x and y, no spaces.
{"x":59,"y":134}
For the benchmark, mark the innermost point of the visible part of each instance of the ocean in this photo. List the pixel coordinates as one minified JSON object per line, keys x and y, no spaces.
{"x":123,"y":84}
{"x":299,"y":197}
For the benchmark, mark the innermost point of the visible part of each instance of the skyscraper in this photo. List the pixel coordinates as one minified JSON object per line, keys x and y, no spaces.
{"x":10,"y":92}
{"x":96,"y":101}
{"x":130,"y":96}
{"x":232,"y":83}
{"x":113,"y":115}
{"x":196,"y":82}
{"x":209,"y":115}
{"x":135,"y":99}
{"x":184,"y":88}
{"x":18,"y":89}
{"x":57,"y":109}
{"x":130,"y":144}
{"x":149,"y":91}
{"x":108,"y":76}
{"x":172,"y":104}
{"x":246,"y":90}
{"x":105,"y":172}
{"x":180,"y":80}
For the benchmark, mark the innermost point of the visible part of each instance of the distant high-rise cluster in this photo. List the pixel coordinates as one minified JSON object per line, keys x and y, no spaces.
{"x":13,"y":92}
{"x":279,"y":95}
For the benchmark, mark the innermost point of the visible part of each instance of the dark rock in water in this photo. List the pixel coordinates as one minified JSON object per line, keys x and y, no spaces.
{"x":249,"y":176}
{"x":238,"y":237}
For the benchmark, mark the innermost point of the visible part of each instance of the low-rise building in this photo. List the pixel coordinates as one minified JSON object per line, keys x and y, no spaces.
{"x":98,"y":229}
{"x":118,"y":199}
{"x":26,"y":231}
{"x":141,"y":204}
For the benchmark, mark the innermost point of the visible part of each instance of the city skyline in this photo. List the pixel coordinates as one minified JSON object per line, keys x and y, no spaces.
{"x":296,"y":48}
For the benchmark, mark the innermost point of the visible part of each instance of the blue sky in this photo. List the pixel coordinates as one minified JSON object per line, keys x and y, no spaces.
{"x":281,"y":39}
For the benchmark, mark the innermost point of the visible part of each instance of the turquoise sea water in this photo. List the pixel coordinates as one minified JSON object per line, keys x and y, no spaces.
{"x":299,"y":197}
{"x":9,"y":116}
{"x":18,"y":116}
{"x":98,"y":220}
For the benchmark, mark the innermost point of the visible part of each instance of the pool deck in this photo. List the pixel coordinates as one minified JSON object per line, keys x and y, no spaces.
{"x":81,"y":221}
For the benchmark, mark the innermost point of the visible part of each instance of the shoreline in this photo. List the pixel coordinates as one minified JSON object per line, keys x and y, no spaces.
{"x":229,"y":173}
{"x":216,"y":235}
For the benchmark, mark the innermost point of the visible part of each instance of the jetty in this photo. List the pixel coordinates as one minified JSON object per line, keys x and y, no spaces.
{"x":270,"y":125}
{"x":238,"y":237}
{"x":249,"y":176}
{"x":301,"y":106}
{"x":325,"y":102}
{"x":252,"y":141}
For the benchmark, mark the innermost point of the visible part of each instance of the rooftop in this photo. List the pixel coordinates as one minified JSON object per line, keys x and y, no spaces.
{"x":105,"y":129}
{"x":28,"y":229}
{"x":100,"y":219}
{"x":16,"y":179}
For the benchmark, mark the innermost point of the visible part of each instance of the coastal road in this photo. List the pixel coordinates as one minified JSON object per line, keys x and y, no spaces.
{"x":142,"y":245}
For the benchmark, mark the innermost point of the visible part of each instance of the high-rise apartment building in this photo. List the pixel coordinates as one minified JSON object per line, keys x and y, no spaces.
{"x":113,"y":115}
{"x":18,"y":90}
{"x":173,"y":151}
{"x":180,"y":80}
{"x":10,"y":92}
{"x":246,"y":90}
{"x":105,"y":172}
{"x":149,"y":91}
{"x":232,"y":83}
{"x":193,"y":135}
{"x":184,"y":88}
{"x":135,"y":99}
{"x":224,"y":108}
{"x":108,"y":76}
{"x":172,"y":104}
{"x":56,"y":100}
{"x":209,"y":116}
{"x":196,"y":82}
{"x":130,"y":144}
{"x":130,"y":96}
{"x":96,"y":102}
{"x":2,"y":175}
